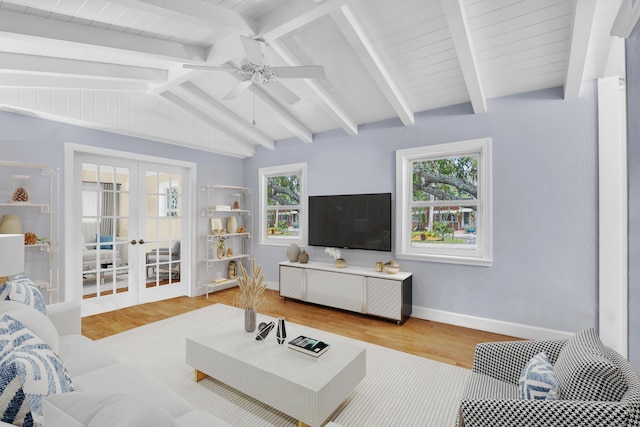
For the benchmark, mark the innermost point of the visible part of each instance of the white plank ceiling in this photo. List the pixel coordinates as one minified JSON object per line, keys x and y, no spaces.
{"x":118,"y":65}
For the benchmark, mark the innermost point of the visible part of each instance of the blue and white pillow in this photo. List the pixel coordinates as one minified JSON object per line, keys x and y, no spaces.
{"x":22,"y":289}
{"x":30,"y":371}
{"x":538,"y":381}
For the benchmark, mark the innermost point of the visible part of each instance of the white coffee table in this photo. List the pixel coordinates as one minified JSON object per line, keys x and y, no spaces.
{"x":304,"y":387}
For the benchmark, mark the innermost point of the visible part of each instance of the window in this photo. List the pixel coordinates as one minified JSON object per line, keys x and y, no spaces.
{"x":283,"y":204}
{"x":443,"y":209}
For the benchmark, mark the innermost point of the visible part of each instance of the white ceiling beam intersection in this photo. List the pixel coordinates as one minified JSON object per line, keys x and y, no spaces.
{"x":29,"y":27}
{"x":195,"y":12}
{"x":222,"y":115}
{"x":293,"y":15}
{"x":364,"y":49}
{"x":461,"y":34}
{"x":322,"y":97}
{"x":583,"y":13}
{"x":35,"y":64}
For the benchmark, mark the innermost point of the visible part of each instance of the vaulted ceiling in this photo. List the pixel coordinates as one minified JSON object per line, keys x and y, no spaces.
{"x":118,"y":65}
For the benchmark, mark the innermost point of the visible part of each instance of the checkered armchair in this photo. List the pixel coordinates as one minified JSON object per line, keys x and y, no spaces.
{"x":491,"y":395}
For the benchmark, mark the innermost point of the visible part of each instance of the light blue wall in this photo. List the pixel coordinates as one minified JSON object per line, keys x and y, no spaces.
{"x":545,"y":241}
{"x":633,"y":124}
{"x":33,"y":140}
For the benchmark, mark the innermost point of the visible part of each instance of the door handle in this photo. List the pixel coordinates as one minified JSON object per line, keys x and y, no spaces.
{"x":141,"y":241}
{"x":133,"y":242}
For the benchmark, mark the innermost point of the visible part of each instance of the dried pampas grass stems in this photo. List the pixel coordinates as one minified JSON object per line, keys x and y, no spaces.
{"x":251,"y":288}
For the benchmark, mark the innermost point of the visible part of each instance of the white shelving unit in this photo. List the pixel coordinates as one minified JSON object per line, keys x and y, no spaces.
{"x":217,"y":203}
{"x":40,"y":215}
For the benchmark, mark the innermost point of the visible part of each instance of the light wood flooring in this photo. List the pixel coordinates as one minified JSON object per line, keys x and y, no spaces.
{"x":438,"y":341}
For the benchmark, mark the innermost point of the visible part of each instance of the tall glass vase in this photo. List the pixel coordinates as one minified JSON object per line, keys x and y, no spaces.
{"x":249,"y":319}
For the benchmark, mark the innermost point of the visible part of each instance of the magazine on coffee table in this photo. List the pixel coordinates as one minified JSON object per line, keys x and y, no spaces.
{"x":310,"y":346}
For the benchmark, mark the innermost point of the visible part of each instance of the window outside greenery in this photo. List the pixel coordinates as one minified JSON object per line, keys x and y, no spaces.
{"x":283,"y":204}
{"x":444,"y":202}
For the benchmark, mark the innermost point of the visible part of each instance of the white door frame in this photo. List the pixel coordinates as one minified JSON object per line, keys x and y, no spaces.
{"x":72,"y":289}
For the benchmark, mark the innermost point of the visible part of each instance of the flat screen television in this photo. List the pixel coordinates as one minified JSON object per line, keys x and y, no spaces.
{"x":351,"y":221}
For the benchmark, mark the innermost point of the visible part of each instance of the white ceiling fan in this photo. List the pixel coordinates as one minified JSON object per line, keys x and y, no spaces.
{"x":255,"y":70}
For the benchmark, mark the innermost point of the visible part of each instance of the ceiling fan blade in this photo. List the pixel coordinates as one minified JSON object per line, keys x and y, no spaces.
{"x":300,"y":72}
{"x":209,"y":68}
{"x":252,"y":50}
{"x":240,"y":87}
{"x":282,"y":92}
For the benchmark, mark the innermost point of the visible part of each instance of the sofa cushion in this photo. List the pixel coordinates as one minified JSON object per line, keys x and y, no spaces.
{"x":584,"y":371}
{"x":107,"y":239}
{"x":81,"y":355}
{"x":40,"y":324}
{"x":104,"y":408}
{"x":30,"y":371}
{"x":22,"y":289}
{"x":123,"y":377}
{"x":537,"y":381}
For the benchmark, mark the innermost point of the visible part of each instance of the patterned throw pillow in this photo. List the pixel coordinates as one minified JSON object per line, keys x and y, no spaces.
{"x":30,"y":371}
{"x":585,"y":372}
{"x":22,"y":289}
{"x":537,"y":381}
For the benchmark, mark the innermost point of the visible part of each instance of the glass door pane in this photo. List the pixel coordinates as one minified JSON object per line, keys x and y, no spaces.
{"x":105,"y":230}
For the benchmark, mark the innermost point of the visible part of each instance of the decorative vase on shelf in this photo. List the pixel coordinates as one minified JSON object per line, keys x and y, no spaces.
{"x":232,"y":225}
{"x":303,"y":258}
{"x":10,"y":224}
{"x":391,"y":267}
{"x":249,"y":319}
{"x":292,"y":252}
{"x":340,"y":263}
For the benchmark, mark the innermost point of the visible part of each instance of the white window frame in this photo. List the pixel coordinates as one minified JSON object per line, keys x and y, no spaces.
{"x":263,"y":175}
{"x":482,"y":255}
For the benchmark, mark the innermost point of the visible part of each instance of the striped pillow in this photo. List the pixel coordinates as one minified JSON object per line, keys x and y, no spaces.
{"x":30,"y":371}
{"x":22,"y":289}
{"x":537,"y":381}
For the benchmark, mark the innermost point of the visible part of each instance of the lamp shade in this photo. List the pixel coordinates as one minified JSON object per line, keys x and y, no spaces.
{"x":11,"y":254}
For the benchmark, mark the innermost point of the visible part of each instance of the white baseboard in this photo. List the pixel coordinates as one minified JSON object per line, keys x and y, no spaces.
{"x":489,"y":325}
{"x":479,"y":323}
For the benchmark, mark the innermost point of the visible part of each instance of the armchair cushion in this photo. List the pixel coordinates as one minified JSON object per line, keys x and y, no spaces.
{"x":538,"y":382}
{"x":585,"y":372}
{"x":22,"y":289}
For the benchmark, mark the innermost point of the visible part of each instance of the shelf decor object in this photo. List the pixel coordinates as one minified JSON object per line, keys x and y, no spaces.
{"x":10,"y":224}
{"x":20,"y":188}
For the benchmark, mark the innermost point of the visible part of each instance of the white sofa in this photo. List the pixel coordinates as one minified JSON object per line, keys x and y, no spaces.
{"x":107,"y":255}
{"x":106,"y":391}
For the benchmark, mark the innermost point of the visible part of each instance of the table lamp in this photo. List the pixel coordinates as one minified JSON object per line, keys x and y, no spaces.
{"x":11,"y":255}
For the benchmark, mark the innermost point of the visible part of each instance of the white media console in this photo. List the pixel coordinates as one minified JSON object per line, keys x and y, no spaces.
{"x":358,"y":289}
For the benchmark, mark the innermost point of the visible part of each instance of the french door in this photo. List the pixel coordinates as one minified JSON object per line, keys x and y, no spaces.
{"x":131,"y":226}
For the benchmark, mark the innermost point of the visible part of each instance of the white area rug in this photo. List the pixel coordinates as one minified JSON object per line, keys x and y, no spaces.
{"x":399,"y":389}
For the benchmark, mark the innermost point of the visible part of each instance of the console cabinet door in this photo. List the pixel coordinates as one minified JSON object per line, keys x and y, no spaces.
{"x":384,"y":298}
{"x":292,"y":282}
{"x":337,"y":290}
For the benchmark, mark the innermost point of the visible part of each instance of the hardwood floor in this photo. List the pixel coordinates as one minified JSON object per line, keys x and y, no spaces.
{"x":438,"y":341}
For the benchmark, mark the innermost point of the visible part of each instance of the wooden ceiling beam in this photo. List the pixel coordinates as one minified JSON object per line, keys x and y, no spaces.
{"x":21,"y":26}
{"x":293,"y":15}
{"x":18,"y":79}
{"x":583,"y":13}
{"x":196,"y":12}
{"x":461,"y":34}
{"x":364,"y":49}
{"x":321,"y":96}
{"x":45,"y":65}
{"x":246,"y":147}
{"x":222,"y":115}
